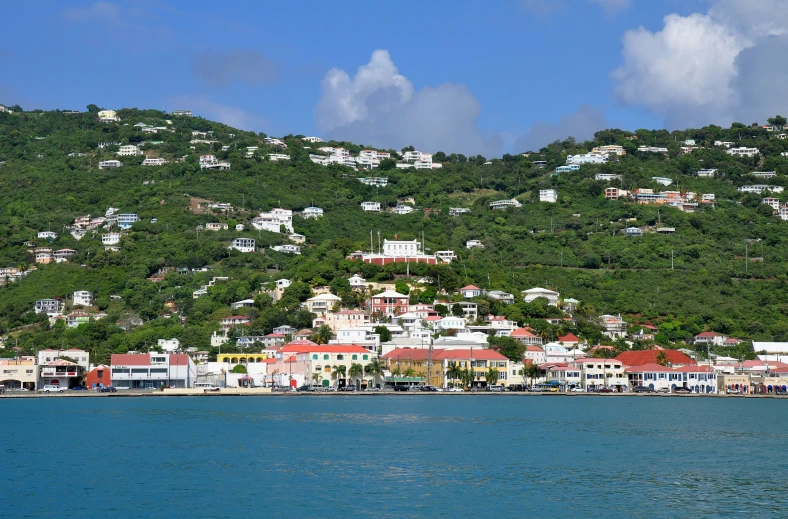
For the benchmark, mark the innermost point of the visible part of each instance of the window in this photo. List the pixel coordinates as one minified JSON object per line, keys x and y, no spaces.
{"x":314,"y":356}
{"x":120,"y":371}
{"x":325,"y":357}
{"x":365,"y":357}
{"x":140,"y":370}
{"x":355,"y":357}
{"x":340,"y":357}
{"x":318,"y":368}
{"x":158,"y":370}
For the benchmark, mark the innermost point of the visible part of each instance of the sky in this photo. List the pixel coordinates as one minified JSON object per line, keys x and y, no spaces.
{"x":472,"y":77}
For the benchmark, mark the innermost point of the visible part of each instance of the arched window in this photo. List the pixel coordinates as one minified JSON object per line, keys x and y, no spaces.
{"x":234,"y":360}
{"x":355,"y":357}
{"x":340,"y":357}
{"x":325,"y":357}
{"x":365,"y":357}
{"x":318,"y":368}
{"x":314,"y":356}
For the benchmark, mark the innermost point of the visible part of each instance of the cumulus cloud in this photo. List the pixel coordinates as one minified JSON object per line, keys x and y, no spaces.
{"x":229,"y":115}
{"x":379,"y":106}
{"x":581,"y":125}
{"x":708,"y":67}
{"x":248,"y":67}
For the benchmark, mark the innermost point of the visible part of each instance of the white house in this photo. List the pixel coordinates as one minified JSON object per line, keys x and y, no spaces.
{"x":371,"y":207}
{"x":110,"y":239}
{"x":274,"y":157}
{"x":743,"y":152}
{"x":313,"y":140}
{"x":607,"y":177}
{"x":287,"y":248}
{"x":273,"y":220}
{"x":451,"y":323}
{"x":662,"y":181}
{"x":169,"y":345}
{"x":505,"y":204}
{"x":357,"y":282}
{"x":107,"y":164}
{"x":312,"y":212}
{"x":151,"y":161}
{"x":760,"y":188}
{"x":322,"y":304}
{"x":129,"y":150}
{"x":47,"y":235}
{"x":707,"y":173}
{"x":471,"y":291}
{"x":471,"y":244}
{"x":211,"y":162}
{"x":216,"y":226}
{"x":82,"y":298}
{"x":402,"y":209}
{"x":108,"y":116}
{"x":243,"y":244}
{"x":534,"y":293}
{"x":587,"y":159}
{"x":548,"y":195}
{"x":375,"y":181}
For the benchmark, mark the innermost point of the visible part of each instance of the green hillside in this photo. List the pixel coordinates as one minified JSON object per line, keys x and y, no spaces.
{"x":723,"y":269}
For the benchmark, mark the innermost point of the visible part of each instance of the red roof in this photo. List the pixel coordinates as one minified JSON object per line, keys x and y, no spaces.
{"x":533,"y":348}
{"x":433,"y":318}
{"x":521,"y":332}
{"x":275,"y":335}
{"x":708,"y":334}
{"x":179,"y":359}
{"x":569,"y":337}
{"x":410,"y":354}
{"x":322,"y":348}
{"x":639,"y":358}
{"x":470,"y":287}
{"x":695,"y":369}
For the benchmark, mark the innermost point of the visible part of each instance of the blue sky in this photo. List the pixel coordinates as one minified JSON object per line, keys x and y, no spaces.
{"x":473,"y":77}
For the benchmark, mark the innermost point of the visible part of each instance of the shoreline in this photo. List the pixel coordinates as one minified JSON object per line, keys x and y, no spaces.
{"x":235,"y":392}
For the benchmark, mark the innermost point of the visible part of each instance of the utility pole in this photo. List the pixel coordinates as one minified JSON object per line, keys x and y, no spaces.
{"x":429,"y":364}
{"x":746,"y":260}
{"x":671,"y":259}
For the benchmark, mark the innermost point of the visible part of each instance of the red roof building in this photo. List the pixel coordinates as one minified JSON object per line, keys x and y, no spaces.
{"x":526,"y":337}
{"x":639,"y":358}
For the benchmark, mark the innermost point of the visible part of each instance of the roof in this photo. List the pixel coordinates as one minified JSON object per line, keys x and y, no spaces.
{"x":639,"y":358}
{"x":593,"y":359}
{"x":235,"y":317}
{"x":521,"y":332}
{"x":708,"y":334}
{"x":569,"y":337}
{"x":694,"y":369}
{"x":410,"y":354}
{"x":390,"y":293}
{"x":539,"y":290}
{"x":533,"y":348}
{"x":322,"y":348}
{"x":470,"y":287}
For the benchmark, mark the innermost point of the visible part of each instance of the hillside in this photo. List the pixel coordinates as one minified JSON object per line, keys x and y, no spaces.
{"x":722,"y":268}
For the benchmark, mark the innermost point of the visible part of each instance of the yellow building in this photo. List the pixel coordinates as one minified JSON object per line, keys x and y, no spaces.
{"x":240,"y":358}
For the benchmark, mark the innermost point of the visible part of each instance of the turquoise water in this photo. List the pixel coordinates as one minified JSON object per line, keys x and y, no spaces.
{"x":393,"y":456}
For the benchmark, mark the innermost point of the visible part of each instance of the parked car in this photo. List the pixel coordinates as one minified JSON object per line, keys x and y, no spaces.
{"x":577,"y":389}
{"x":401,"y":388}
{"x":535,"y":389}
{"x":305,"y":387}
{"x":495,"y":389}
{"x":642,"y":389}
{"x":207,"y":388}
{"x":604,"y":390}
{"x":108,"y":389}
{"x":372,"y":388}
{"x":455,"y":390}
{"x":731,"y":391}
{"x":52,"y":389}
{"x":663,"y":390}
{"x":78,"y":388}
{"x":348,"y":388}
{"x":781,"y":392}
{"x":432,"y":389}
{"x":682,"y":390}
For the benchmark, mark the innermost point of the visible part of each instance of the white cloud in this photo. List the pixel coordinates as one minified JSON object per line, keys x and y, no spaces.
{"x":249,"y":67}
{"x":229,"y":115}
{"x":708,"y":68}
{"x":379,"y":106}
{"x":581,"y":125}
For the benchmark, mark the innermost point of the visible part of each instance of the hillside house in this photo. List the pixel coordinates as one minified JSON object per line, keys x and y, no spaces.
{"x":534,"y":293}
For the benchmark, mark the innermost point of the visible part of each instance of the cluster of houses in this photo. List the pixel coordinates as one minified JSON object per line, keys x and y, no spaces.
{"x":370,"y":159}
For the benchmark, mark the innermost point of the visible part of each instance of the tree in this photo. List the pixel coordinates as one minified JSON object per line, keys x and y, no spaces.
{"x":322,"y":336}
{"x":778,"y":120}
{"x":375,"y":368}
{"x":453,"y":372}
{"x":240,"y":368}
{"x":402,"y":287}
{"x":512,"y":349}
{"x":339,"y":372}
{"x":661,"y":358}
{"x":317,"y":378}
{"x":530,"y":371}
{"x":356,"y":372}
{"x":92,"y":108}
{"x":492,"y":376}
{"x":384,"y":332}
{"x":387,"y":164}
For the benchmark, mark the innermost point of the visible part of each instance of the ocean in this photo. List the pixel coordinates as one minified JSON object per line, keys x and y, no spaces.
{"x":393,"y":456}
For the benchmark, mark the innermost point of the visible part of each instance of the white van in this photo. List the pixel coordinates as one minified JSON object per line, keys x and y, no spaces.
{"x":206,"y":388}
{"x":52,"y":389}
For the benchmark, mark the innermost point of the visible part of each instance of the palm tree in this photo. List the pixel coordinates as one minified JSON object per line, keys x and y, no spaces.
{"x":409,"y":372}
{"x":322,"y":336}
{"x":374,"y":368}
{"x":454,"y":372}
{"x":317,"y":378}
{"x":356,"y":371}
{"x":492,"y":376}
{"x":661,"y":358}
{"x":339,"y":372}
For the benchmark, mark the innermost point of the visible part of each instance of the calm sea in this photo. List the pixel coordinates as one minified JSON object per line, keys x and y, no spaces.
{"x":393,"y":456}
